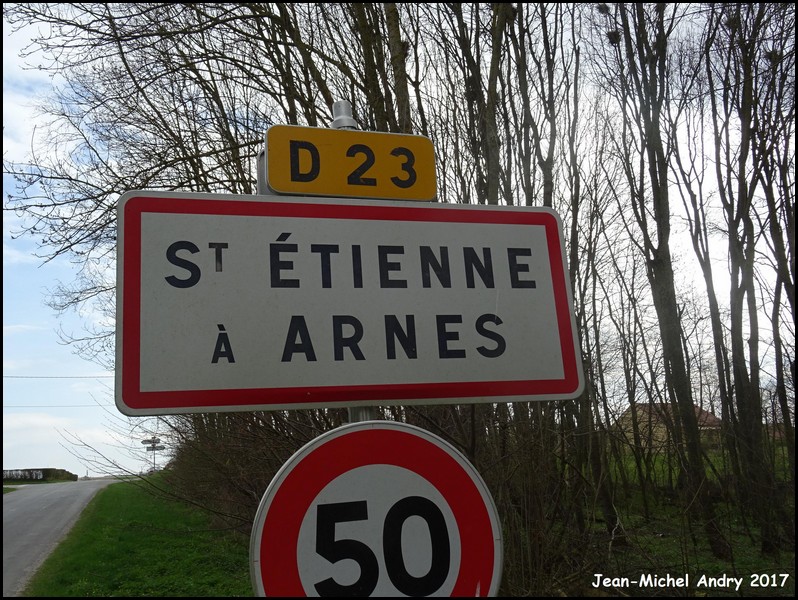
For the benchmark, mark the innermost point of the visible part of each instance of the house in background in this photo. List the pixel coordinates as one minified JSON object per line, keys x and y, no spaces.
{"x":655,"y":424}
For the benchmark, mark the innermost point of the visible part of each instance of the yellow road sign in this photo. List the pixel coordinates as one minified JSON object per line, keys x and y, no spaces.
{"x":349,"y":163}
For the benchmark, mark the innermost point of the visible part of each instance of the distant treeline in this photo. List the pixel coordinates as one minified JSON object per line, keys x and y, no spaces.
{"x":38,"y":475}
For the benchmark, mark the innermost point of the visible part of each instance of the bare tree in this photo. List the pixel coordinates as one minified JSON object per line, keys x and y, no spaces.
{"x":748,"y":123}
{"x":637,"y":40}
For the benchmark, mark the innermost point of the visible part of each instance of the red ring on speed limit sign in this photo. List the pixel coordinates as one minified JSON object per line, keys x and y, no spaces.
{"x":274,"y":560}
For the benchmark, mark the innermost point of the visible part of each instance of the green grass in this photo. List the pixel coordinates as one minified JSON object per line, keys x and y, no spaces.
{"x":664,"y":546}
{"x":128,"y":542}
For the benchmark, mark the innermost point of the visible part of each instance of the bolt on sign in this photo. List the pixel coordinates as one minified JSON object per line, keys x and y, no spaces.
{"x":347,"y":163}
{"x":235,"y":303}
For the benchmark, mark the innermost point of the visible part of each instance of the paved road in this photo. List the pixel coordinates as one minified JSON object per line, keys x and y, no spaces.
{"x":35,"y":518}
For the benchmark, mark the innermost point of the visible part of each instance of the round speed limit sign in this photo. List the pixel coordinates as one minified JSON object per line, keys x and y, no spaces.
{"x":376,"y":509}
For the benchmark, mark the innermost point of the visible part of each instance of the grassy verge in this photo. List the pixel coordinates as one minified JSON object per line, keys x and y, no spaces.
{"x":130,"y":543}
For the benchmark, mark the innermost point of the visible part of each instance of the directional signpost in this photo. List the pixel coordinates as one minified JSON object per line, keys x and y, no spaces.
{"x":230,"y":303}
{"x":152,"y":446}
{"x":376,"y":509}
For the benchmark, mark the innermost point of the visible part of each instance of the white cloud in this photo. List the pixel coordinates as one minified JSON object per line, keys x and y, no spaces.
{"x":17,"y":365}
{"x":32,"y":424}
{"x":12,"y":256}
{"x":23,"y":87}
{"x":98,"y":390}
{"x":15,"y":329}
{"x":34,"y":440}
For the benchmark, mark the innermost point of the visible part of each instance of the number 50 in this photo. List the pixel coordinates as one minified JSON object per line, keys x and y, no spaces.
{"x":335,"y":550}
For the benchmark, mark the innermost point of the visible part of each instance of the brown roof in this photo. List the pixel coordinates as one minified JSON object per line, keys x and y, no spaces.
{"x":706,"y":420}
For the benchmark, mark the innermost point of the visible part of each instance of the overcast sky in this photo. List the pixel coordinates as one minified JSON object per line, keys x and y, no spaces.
{"x":51,"y":397}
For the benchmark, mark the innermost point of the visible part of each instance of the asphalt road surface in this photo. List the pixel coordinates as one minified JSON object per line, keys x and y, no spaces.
{"x":35,"y":519}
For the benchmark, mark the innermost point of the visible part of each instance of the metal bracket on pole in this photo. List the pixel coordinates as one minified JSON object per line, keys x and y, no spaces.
{"x":342,"y":115}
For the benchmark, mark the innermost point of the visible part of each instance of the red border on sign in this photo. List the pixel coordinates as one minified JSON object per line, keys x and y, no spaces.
{"x":277,"y":558}
{"x":306,"y":397}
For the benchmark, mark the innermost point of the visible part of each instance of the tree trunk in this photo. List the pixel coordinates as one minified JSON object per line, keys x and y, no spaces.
{"x":398,"y":50}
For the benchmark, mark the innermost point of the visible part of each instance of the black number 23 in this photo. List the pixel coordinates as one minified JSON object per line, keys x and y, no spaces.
{"x":357,"y":177}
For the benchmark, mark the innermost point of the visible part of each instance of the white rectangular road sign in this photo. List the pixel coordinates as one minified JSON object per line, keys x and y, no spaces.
{"x":233,"y":303}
